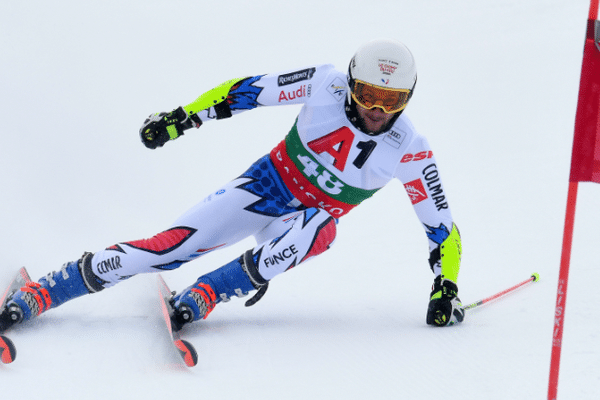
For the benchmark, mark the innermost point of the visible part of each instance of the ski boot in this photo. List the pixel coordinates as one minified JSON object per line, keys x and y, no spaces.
{"x":73,"y":280}
{"x":237,"y":278}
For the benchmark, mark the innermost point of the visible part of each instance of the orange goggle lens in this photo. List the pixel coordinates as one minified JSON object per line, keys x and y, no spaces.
{"x":390,"y":100}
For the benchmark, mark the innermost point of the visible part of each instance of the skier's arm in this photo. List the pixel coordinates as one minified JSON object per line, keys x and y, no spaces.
{"x":233,"y":97}
{"x":217,"y":103}
{"x":419,"y":172}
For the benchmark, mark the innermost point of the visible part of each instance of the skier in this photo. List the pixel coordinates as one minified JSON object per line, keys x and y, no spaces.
{"x":348,"y":141}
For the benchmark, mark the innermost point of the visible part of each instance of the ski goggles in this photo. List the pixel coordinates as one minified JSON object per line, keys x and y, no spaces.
{"x":389,"y":100}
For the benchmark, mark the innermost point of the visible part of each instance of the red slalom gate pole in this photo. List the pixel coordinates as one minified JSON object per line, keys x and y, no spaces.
{"x":585,"y":167}
{"x":561,"y":292}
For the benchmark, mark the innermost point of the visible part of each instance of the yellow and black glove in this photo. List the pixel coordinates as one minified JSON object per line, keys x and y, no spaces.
{"x":159,"y":128}
{"x":445,"y":307}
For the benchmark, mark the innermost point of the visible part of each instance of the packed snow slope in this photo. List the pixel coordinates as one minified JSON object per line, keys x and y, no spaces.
{"x":496,"y":96}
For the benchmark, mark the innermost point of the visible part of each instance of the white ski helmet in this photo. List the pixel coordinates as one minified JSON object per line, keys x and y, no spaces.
{"x":387,"y":66}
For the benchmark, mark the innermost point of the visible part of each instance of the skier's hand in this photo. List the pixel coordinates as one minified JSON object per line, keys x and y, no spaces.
{"x":445,"y":308}
{"x":159,"y":128}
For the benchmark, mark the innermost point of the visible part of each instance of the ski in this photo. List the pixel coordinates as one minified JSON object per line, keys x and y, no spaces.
{"x":8,"y":351}
{"x":184,"y":348}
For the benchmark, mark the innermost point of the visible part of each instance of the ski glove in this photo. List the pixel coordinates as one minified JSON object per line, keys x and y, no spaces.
{"x":445,"y":308}
{"x":159,"y":128}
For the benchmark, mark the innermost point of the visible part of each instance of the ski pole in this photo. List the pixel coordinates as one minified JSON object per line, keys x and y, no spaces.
{"x":533,"y":278}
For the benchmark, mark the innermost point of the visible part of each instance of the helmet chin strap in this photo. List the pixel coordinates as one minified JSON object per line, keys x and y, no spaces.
{"x":358,"y":122}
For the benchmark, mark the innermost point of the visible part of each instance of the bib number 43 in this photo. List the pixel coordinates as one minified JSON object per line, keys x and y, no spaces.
{"x":327,"y":182}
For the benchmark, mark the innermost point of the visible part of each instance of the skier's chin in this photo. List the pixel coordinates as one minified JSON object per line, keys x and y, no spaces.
{"x":374,"y":121}
{"x":374,"y":127}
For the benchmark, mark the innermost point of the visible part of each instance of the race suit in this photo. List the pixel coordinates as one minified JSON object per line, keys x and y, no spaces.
{"x":291,"y":199}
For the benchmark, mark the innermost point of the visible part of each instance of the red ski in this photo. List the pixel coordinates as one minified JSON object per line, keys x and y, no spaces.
{"x":184,"y":348}
{"x":8,"y":351}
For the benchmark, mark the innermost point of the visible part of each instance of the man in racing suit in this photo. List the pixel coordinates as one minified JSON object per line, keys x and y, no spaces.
{"x":349,"y":140}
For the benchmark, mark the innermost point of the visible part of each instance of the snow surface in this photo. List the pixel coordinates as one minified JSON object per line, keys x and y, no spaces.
{"x":496,"y":97}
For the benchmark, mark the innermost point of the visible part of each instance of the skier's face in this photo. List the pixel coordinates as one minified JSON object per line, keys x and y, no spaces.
{"x":375,"y":119}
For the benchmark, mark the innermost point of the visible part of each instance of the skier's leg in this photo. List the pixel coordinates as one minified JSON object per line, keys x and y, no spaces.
{"x":311,"y":233}
{"x":204,"y":228}
{"x":196,"y":233}
{"x":237,"y":210}
{"x":215,"y":223}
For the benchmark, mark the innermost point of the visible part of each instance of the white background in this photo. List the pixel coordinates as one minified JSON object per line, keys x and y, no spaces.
{"x":496,"y":97}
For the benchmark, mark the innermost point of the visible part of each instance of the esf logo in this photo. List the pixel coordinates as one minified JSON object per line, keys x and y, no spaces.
{"x":275,"y":259}
{"x":422,"y":155}
{"x":303,"y":91}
